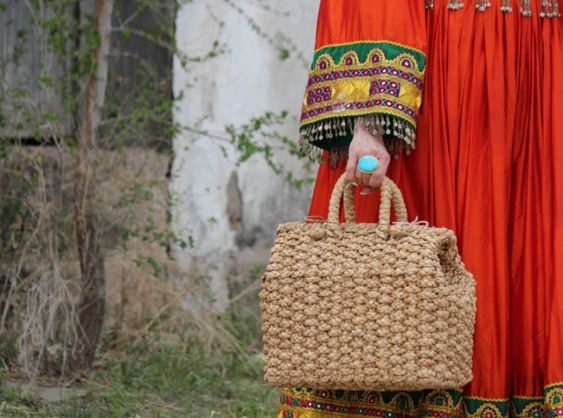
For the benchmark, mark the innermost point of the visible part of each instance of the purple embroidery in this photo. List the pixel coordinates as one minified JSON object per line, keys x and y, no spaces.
{"x":358,"y":106}
{"x":319,"y":95}
{"x":367,"y":72}
{"x":392,"y":88}
{"x":323,"y":65}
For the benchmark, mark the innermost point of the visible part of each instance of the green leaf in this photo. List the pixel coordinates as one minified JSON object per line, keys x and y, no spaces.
{"x":283,"y":54}
{"x":126,"y":34}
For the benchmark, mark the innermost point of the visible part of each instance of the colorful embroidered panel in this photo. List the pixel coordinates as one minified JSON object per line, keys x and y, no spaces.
{"x":303,"y":403}
{"x":306,"y":403}
{"x":365,"y":78}
{"x":554,"y":400}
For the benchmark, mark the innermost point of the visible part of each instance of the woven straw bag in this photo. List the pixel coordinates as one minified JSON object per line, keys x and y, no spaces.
{"x":384,"y":307}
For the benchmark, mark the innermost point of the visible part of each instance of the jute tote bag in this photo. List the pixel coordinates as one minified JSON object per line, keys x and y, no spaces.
{"x":387,"y":306}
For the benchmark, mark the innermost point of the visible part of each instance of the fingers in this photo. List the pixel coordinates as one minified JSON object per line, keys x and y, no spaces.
{"x":366,"y":144}
{"x":375,"y":180}
{"x":367,"y":190}
{"x":362,"y":178}
{"x":351,"y":167}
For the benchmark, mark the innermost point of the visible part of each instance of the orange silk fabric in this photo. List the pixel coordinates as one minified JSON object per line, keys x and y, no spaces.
{"x":401,"y":21}
{"x":488,"y":164}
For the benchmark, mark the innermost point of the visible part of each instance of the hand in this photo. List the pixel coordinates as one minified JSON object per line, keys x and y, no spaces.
{"x":364,"y":144}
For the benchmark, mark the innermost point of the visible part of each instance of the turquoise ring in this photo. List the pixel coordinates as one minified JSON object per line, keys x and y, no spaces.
{"x":368,"y":164}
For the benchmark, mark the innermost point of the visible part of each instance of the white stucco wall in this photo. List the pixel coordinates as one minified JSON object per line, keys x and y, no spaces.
{"x":246,"y":80}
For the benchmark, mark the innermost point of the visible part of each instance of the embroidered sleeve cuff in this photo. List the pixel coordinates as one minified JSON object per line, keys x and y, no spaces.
{"x":382,"y":81}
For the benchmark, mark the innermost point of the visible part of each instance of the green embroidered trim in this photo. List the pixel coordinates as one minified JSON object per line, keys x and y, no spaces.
{"x":392,"y":50}
{"x":554,"y":400}
{"x":330,"y":403}
{"x":550,"y":405}
{"x":379,"y":80}
{"x":526,"y":407}
{"x":485,"y":408}
{"x":445,"y":403}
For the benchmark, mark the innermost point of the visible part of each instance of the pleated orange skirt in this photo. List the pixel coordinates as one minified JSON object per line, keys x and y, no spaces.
{"x":489,"y":165}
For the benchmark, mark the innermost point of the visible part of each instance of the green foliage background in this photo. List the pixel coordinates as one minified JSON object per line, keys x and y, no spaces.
{"x":153,"y":373}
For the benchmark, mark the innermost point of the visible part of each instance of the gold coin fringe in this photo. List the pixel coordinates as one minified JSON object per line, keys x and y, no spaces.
{"x":482,"y":5}
{"x":391,"y":127}
{"x":317,"y":155}
{"x":399,"y":135}
{"x":549,"y":8}
{"x":506,"y":6}
{"x":327,"y":129}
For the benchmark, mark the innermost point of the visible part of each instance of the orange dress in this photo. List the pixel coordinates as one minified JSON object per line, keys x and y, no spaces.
{"x":470,"y":99}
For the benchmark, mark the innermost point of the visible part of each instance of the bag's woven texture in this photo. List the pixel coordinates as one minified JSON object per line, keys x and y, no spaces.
{"x":386,"y":306}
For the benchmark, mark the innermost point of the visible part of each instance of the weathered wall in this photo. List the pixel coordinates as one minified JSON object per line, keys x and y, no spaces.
{"x":23,"y":59}
{"x":230,"y":210}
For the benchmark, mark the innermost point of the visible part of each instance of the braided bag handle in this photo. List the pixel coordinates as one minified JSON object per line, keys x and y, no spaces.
{"x":342,"y":188}
{"x":390,"y":192}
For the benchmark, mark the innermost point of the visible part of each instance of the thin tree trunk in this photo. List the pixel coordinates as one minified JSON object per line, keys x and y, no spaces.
{"x":91,"y":308}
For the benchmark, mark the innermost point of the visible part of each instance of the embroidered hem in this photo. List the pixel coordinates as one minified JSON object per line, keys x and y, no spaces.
{"x":383,"y":80}
{"x":305,"y":403}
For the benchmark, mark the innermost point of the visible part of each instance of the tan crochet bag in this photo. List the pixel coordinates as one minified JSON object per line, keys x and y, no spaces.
{"x":384,"y":307}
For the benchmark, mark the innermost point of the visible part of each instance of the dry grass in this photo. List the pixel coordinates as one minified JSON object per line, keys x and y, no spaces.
{"x":166,"y":351}
{"x":212,"y":368}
